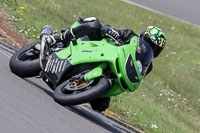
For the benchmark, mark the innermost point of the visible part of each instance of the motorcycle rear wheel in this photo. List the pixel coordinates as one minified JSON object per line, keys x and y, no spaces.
{"x":88,"y":92}
{"x":25,"y":62}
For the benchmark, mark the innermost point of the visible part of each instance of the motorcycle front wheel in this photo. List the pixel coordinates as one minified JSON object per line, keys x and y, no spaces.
{"x":25,"y":62}
{"x":70,"y":93}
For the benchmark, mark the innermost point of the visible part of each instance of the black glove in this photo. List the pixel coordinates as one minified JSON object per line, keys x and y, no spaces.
{"x":113,"y":33}
{"x":109,"y":31}
{"x":67,"y":35}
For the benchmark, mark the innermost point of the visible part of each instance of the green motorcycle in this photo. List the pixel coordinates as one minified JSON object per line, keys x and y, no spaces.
{"x":85,"y":70}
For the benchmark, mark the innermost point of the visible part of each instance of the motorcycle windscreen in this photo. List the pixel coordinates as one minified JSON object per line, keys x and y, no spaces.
{"x":131,"y":70}
{"x":144,"y":56}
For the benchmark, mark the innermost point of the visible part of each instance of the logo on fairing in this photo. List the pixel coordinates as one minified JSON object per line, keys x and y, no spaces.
{"x":55,"y":65}
{"x":139,"y":64}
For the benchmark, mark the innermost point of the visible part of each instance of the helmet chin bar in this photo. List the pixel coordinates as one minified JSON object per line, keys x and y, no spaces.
{"x":158,"y":51}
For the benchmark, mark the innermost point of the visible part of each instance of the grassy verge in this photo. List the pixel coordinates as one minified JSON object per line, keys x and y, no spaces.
{"x":168,"y":100}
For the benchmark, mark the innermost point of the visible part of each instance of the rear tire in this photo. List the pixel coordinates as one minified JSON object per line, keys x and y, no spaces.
{"x":97,"y":88}
{"x":24,"y":65}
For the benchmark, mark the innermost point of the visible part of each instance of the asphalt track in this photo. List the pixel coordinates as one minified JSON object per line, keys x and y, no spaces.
{"x":27,"y":106}
{"x":185,"y":10}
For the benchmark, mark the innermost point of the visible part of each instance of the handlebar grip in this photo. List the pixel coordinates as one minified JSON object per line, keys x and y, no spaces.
{"x":57,"y":38}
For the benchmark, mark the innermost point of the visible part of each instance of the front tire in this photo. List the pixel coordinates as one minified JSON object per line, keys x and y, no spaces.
{"x":95,"y":89}
{"x":24,"y":63}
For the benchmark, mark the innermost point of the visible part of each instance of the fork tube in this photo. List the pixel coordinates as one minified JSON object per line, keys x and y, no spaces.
{"x":42,"y":46}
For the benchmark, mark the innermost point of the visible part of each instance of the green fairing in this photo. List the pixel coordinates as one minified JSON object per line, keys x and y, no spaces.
{"x":104,"y":51}
{"x":63,"y":54}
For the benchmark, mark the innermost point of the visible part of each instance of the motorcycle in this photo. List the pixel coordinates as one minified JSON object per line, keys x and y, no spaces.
{"x":85,"y":70}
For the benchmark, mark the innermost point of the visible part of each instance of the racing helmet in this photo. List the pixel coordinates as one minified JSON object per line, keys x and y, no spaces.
{"x":155,"y":37}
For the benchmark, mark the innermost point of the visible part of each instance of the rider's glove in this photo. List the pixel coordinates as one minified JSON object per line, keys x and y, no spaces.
{"x":113,"y":33}
{"x":67,"y":35}
{"x":108,"y":30}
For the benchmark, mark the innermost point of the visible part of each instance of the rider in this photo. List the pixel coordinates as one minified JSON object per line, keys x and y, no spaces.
{"x":92,"y":29}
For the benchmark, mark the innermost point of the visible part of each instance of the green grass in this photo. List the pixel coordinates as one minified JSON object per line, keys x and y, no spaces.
{"x":168,"y":98}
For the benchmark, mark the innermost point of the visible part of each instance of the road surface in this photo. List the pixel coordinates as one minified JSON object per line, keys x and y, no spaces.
{"x":27,"y":106}
{"x":186,"y":10}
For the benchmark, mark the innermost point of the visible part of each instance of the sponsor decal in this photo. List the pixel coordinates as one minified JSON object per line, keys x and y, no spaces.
{"x":86,"y":51}
{"x":139,"y":64}
{"x":55,"y":65}
{"x":61,"y":63}
{"x":47,"y":65}
{"x":64,"y":65}
{"x":51,"y":67}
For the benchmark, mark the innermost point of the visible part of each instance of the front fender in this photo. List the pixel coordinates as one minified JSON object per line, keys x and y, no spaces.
{"x":95,"y":73}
